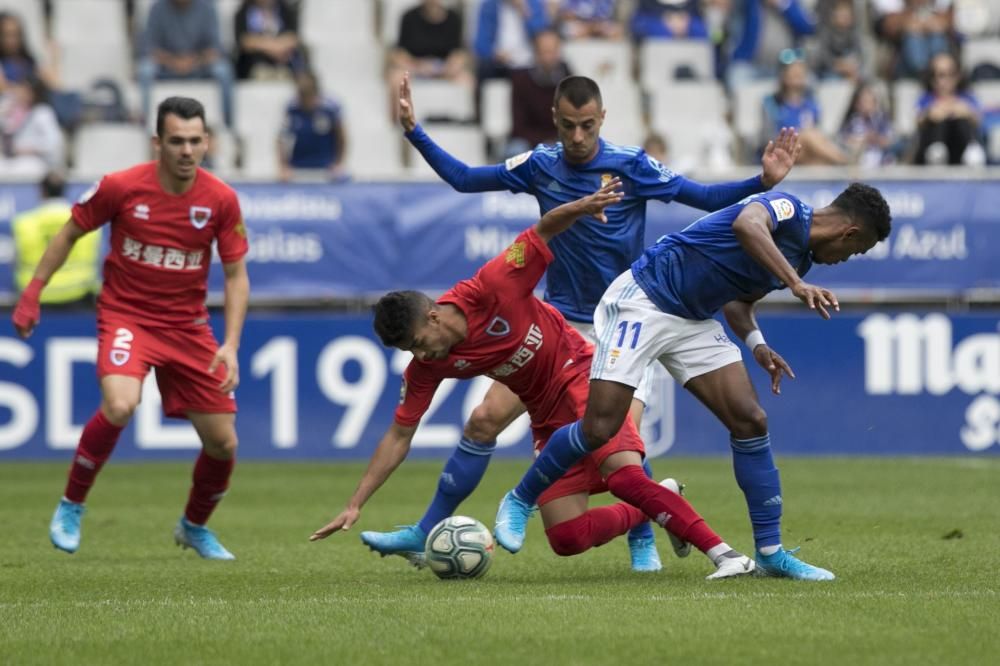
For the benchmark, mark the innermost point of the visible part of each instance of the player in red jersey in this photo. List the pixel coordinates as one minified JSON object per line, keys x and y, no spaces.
{"x":493,"y":325}
{"x":151,"y":314}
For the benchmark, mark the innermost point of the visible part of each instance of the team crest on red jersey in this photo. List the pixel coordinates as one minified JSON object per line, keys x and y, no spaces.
{"x":119,"y":357}
{"x":200,"y":215}
{"x":498,"y":327}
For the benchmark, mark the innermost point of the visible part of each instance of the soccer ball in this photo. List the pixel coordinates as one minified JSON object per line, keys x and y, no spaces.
{"x":459,"y":547}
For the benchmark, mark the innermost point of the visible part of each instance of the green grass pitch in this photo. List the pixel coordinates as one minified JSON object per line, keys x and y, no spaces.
{"x":915,"y":544}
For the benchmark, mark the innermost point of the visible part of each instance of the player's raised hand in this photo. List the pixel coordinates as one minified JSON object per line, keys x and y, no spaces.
{"x":609,"y":194}
{"x":779,"y":156}
{"x":407,"y":116}
{"x":347,"y":517}
{"x":817,"y":298}
{"x":226,"y":356}
{"x":776,"y":366}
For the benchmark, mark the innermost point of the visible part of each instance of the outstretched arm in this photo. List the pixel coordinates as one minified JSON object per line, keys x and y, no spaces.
{"x":452,"y":171}
{"x":753,"y":230}
{"x":391,"y":451}
{"x":561,"y":218}
{"x":778,"y":158}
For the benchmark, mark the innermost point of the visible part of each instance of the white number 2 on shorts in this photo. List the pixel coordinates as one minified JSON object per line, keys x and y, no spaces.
{"x":123,"y":339}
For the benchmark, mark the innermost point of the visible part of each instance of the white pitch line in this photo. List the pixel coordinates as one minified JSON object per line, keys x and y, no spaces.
{"x":423,"y":599}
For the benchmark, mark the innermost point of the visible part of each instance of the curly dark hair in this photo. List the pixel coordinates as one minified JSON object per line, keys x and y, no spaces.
{"x":579,"y":90}
{"x":396,"y":313}
{"x":866,"y":206}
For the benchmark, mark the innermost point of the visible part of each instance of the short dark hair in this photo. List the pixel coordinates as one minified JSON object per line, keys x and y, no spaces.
{"x":579,"y":90}
{"x":396,"y":313}
{"x":182,"y":107}
{"x":52,"y":185}
{"x":866,"y":206}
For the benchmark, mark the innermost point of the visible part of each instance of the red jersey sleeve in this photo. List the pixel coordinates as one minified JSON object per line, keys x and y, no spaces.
{"x":419,"y":385}
{"x":517,"y":270}
{"x":99,"y":204}
{"x":232,"y":234}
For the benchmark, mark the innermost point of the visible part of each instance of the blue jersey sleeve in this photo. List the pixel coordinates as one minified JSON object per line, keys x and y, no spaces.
{"x":652,"y":180}
{"x":784,"y":209}
{"x":716,"y":197}
{"x":518,"y":173}
{"x":455,"y":172}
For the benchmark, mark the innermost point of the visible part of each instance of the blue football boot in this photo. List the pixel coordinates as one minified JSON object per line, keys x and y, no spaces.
{"x":784,"y":564}
{"x":407,"y":542}
{"x":645,"y":558}
{"x":201,"y":539}
{"x":64,"y":530}
{"x":512,"y":522}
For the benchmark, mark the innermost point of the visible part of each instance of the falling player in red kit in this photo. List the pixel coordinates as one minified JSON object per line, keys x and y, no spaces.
{"x":151,"y":314}
{"x":493,"y":325}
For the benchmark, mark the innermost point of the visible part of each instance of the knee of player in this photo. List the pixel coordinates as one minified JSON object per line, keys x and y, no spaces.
{"x":222,"y":446}
{"x":483,"y":424}
{"x":567,"y":538}
{"x":752,"y":422}
{"x":598,"y":431}
{"x":119,"y":410}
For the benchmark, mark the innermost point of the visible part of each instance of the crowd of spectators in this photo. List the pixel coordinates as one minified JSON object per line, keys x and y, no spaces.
{"x":797,"y":45}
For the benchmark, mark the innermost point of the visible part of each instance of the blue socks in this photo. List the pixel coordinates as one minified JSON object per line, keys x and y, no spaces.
{"x":460,"y":476}
{"x":643,"y":530}
{"x":564,"y":448}
{"x":761,"y":485}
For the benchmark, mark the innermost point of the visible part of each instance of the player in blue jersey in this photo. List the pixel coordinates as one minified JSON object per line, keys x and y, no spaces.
{"x":662,"y":310}
{"x":587,"y":258}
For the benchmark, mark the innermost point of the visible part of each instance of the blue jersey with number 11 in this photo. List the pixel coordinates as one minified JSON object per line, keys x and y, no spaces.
{"x":591,"y":254}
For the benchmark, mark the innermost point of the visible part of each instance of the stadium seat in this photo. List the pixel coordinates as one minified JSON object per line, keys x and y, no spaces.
{"x":103,"y":147}
{"x":374,"y":153}
{"x":32,"y":18}
{"x":607,"y":62}
{"x":905,"y":94}
{"x":437,"y":99}
{"x":659,"y":60}
{"x":833,"y":97}
{"x":496,"y":113}
{"x":980,"y":51}
{"x":80,"y":64}
{"x":748,"y":110}
{"x":340,"y":67}
{"x":226,"y":10}
{"x":260,"y":106}
{"x":686,"y":113}
{"x":206,"y":92}
{"x":99,"y":23}
{"x":225,"y":147}
{"x":988,"y":94}
{"x":623,"y":124}
{"x":260,"y":113}
{"x":464,"y":142}
{"x":348,"y":22}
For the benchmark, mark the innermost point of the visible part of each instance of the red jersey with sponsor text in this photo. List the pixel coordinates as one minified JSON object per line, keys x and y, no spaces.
{"x":512,"y":337}
{"x":161,"y":244}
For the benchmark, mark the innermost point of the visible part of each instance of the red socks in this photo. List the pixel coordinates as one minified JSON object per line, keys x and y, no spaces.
{"x":665,"y":507}
{"x":211,"y":478}
{"x":596,"y":527}
{"x":96,"y":444}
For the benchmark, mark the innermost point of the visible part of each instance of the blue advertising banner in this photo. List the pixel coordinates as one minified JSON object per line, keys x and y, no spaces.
{"x":323,"y":387}
{"x":358,"y":240}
